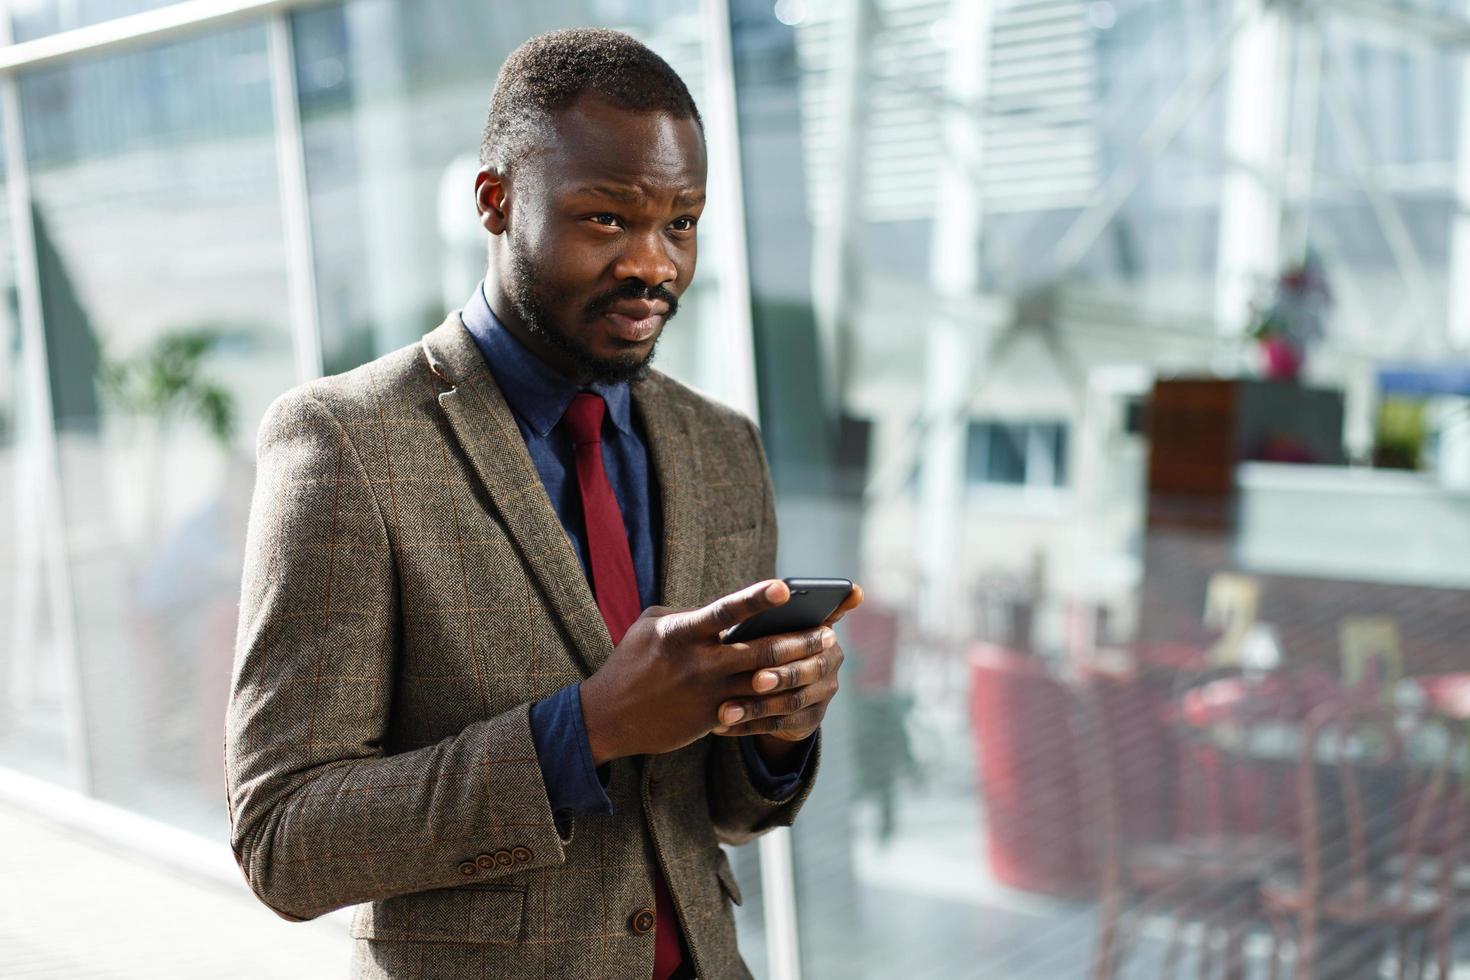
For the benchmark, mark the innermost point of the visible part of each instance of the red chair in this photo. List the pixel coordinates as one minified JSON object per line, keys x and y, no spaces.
{"x":1213,"y":879}
{"x":1019,"y":715}
{"x":1210,"y":880}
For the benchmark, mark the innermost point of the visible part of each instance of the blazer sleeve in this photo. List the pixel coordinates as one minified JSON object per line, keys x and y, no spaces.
{"x":320,"y":816}
{"x":738,"y":809}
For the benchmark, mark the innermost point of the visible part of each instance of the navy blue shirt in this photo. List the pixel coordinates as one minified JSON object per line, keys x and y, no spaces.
{"x":538,"y":396}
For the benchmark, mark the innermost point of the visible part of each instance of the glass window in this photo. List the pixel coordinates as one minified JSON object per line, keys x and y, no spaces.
{"x":159,"y":239}
{"x":1017,"y":453}
{"x":1053,"y":245}
{"x":393,"y":107}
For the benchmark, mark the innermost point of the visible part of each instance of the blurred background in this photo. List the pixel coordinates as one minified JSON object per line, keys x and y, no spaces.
{"x":1121,"y":349}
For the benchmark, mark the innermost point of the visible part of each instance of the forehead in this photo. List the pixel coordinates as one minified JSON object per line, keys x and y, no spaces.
{"x":592,"y":140}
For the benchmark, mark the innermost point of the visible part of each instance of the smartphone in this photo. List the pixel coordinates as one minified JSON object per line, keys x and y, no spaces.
{"x":812,"y":601}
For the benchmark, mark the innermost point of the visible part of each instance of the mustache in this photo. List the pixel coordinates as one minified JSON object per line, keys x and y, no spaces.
{"x":635,"y":290}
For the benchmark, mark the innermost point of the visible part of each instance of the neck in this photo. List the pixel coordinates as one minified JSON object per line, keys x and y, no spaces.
{"x":505,"y":311}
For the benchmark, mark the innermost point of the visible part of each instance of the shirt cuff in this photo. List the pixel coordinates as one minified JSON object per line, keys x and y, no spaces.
{"x":776,"y":785}
{"x":574,"y":786}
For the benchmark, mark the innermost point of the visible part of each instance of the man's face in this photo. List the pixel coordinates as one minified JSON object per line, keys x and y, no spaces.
{"x":599,"y":237}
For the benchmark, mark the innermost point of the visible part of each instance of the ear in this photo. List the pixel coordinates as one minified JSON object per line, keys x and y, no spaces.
{"x":492,"y":200}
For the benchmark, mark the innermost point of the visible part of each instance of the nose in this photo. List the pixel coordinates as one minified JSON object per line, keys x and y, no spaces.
{"x":646,"y":259}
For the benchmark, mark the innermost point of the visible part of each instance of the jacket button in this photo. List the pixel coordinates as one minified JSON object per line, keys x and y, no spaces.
{"x":522,"y":855}
{"x":485,"y":861}
{"x":467,"y":868}
{"x":641,"y":922}
{"x":504,"y":859}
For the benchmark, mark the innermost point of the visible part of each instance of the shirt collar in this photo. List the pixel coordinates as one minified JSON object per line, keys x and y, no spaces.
{"x":533,"y":389}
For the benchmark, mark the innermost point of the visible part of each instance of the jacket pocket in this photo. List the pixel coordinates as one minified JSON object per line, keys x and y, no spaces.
{"x":726,"y":874}
{"x":484,"y":915}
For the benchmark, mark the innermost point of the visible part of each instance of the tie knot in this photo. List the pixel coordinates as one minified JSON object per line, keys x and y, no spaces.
{"x":583,"y":417}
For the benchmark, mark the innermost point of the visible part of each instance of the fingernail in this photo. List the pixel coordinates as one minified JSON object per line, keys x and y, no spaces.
{"x":773,"y":591}
{"x":828,"y":638}
{"x":765,"y":680}
{"x":732,"y":715}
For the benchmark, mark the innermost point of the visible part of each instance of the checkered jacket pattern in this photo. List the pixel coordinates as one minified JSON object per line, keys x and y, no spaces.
{"x":408,"y":593}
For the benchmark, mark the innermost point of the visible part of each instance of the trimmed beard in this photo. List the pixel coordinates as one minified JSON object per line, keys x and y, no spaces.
{"x":521,"y":288}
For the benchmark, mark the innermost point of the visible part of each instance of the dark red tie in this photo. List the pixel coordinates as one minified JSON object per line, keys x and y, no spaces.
{"x":615,"y":585}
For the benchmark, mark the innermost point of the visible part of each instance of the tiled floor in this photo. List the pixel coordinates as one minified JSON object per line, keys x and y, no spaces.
{"x":70,"y":909}
{"x":73,"y":909}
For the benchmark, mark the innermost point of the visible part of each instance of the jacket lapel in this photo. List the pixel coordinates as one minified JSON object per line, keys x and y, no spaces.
{"x":485,"y":429}
{"x":668,"y":429}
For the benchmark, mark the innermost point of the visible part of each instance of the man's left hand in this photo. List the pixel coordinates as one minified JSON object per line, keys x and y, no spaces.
{"x":792,"y":699}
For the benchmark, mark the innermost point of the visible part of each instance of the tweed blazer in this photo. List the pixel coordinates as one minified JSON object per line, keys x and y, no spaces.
{"x":408,"y":593}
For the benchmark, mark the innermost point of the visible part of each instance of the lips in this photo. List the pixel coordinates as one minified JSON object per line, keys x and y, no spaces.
{"x":636,"y":322}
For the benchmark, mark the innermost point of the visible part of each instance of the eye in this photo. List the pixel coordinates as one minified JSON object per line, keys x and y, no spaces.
{"x":685,"y":223}
{"x":606,"y":220}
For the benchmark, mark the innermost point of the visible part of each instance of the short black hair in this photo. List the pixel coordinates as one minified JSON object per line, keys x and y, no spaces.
{"x":547,"y":73}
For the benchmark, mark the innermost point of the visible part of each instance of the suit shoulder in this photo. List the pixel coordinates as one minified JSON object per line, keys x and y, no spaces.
{"x":392,"y":384}
{"x":708,"y":412}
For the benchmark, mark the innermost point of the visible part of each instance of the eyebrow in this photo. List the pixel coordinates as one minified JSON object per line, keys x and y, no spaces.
{"x":633,"y":196}
{"x":624,"y":195}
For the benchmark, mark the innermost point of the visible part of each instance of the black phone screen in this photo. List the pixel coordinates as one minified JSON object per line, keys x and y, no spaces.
{"x":812,"y":601}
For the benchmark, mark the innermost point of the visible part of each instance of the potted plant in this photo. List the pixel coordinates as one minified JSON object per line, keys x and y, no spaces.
{"x":1291,"y":320}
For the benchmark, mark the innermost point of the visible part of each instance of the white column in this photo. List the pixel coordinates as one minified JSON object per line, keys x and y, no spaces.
{"x":835,"y":250}
{"x":1458,"y":330}
{"x":395,"y":262}
{"x":1454,"y":469}
{"x":1255,"y":144}
{"x":951,"y":341}
{"x":295,"y":217}
{"x":732,"y":344}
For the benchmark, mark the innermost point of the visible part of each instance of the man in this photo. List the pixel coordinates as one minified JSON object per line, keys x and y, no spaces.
{"x":479,"y":684}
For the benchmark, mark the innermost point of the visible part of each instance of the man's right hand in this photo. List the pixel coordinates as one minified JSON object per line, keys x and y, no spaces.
{"x":662,"y":685}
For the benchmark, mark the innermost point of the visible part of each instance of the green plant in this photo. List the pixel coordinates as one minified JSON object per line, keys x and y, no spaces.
{"x":164,"y":380}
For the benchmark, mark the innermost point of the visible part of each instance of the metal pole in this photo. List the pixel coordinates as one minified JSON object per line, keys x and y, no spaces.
{"x":835,"y":251}
{"x":737,"y":337}
{"x":1255,"y":133}
{"x":778,"y":876}
{"x":951,"y":341}
{"x":295,"y":216}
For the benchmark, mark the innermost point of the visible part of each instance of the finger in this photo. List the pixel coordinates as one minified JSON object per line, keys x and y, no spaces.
{"x":801,"y":724}
{"x":707,"y":622}
{"x":794,"y":701}
{"x":797,"y":673}
{"x":851,"y":601}
{"x":782,"y":648}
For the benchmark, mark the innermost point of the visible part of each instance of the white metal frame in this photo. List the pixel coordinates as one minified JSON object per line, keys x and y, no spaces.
{"x":720,"y":114}
{"x":164,"y":23}
{"x":291,"y":172}
{"x":34,"y":365}
{"x":778,"y":876}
